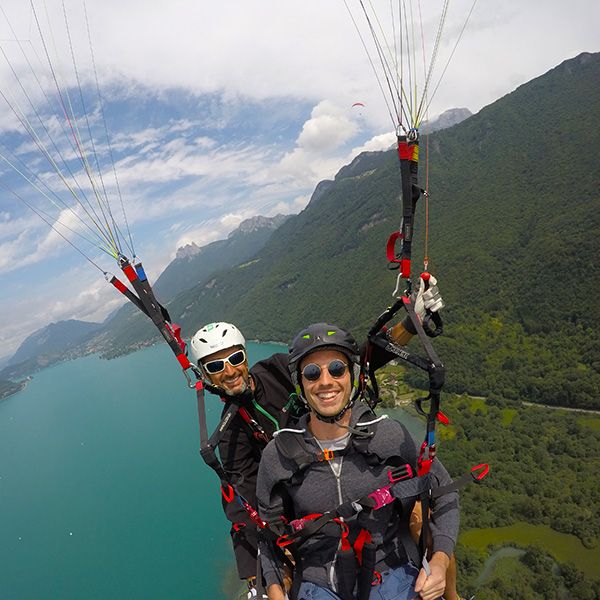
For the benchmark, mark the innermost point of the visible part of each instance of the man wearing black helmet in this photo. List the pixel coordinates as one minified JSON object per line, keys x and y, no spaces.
{"x":219,"y":350}
{"x":346,"y":481}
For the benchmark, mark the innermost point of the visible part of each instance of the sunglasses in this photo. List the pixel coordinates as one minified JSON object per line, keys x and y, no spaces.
{"x":216,"y":366}
{"x":336,"y":369}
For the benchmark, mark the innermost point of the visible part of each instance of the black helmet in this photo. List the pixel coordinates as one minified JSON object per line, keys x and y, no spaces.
{"x":324,"y":336}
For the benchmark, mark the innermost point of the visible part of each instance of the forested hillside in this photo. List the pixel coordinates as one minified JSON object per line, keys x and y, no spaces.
{"x":514,"y":237}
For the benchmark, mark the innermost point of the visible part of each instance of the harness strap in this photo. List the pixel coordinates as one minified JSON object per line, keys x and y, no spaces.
{"x":208,"y":454}
{"x":151,"y":307}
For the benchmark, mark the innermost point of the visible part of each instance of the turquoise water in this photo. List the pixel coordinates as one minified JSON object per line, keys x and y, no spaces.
{"x":103,"y":494}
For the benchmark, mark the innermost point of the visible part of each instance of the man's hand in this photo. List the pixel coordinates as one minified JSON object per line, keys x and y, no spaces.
{"x":432,"y":586}
{"x":275,"y":592}
{"x":428,"y":299}
{"x":423,"y":300}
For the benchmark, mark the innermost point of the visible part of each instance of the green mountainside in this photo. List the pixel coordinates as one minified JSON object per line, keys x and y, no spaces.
{"x":514,"y":234}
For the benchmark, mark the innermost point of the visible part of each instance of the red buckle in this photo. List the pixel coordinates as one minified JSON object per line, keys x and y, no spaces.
{"x":238,"y":526}
{"x":484,"y":468}
{"x":326,"y":455}
{"x":390,"y":248}
{"x":404,"y":472}
{"x":228,"y":495}
{"x":376,"y":578}
{"x":424,"y":466}
{"x":283,"y":541}
{"x":442,"y":418}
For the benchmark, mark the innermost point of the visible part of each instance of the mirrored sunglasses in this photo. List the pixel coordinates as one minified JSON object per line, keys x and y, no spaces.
{"x":216,"y":366}
{"x":336,"y":369}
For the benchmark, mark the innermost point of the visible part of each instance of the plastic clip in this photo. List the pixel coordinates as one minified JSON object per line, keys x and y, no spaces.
{"x":326,"y":455}
{"x":442,"y":418}
{"x":382,"y":497}
{"x":403,"y":472}
{"x":227,"y":495}
{"x":480,"y":471}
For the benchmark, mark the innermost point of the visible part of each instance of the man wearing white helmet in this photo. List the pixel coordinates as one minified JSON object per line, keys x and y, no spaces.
{"x":219,"y":350}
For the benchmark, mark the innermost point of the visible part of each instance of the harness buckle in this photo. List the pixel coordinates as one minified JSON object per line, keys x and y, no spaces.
{"x":382,"y":497}
{"x":403,"y":472}
{"x":283,"y":541}
{"x":228,"y":494}
{"x":326,"y":455}
{"x":480,"y":471}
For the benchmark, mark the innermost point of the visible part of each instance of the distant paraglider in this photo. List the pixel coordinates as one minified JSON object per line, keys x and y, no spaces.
{"x":358,"y":109}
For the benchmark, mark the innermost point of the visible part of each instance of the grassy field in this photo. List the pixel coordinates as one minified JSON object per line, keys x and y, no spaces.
{"x":563,"y":547}
{"x":591,"y":422}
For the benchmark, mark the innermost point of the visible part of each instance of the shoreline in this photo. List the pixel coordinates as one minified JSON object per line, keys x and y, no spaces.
{"x":149,"y":344}
{"x":21,"y":386}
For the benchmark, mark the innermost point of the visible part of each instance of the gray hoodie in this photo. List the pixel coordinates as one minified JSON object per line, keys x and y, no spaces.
{"x":319,"y":490}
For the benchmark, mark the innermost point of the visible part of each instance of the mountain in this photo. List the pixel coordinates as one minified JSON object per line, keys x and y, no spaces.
{"x":514,"y":235}
{"x":448,"y":118}
{"x":43,"y":346}
{"x":124,"y":326}
{"x":193,"y":263}
{"x":129,"y":330}
{"x":514,"y":220}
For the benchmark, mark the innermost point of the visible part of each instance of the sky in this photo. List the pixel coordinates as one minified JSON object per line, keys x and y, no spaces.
{"x":215,"y":112}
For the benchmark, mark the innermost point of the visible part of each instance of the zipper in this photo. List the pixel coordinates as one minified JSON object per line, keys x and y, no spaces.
{"x":340,"y":501}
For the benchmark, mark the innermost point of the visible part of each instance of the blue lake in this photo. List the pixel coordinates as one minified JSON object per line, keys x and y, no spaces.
{"x":103,"y":494}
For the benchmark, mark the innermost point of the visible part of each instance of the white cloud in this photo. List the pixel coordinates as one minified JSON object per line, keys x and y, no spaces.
{"x":327,"y":129}
{"x":189,"y":175}
{"x":293,"y":206}
{"x":376,"y":143}
{"x":270,"y":48}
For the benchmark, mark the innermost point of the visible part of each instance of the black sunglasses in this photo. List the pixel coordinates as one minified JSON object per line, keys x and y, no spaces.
{"x":336,"y":368}
{"x":216,"y":366}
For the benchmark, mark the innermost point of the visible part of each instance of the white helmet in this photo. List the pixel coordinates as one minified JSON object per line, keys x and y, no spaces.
{"x":214,"y":337}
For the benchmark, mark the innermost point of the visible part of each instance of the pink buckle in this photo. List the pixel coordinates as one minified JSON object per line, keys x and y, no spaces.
{"x":297,"y":524}
{"x":381,"y":497}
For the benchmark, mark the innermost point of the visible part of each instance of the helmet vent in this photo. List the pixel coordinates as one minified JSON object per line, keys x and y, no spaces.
{"x":224,"y":333}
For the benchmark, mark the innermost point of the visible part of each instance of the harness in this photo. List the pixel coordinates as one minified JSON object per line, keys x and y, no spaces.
{"x":208,"y":445}
{"x":356,"y":558}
